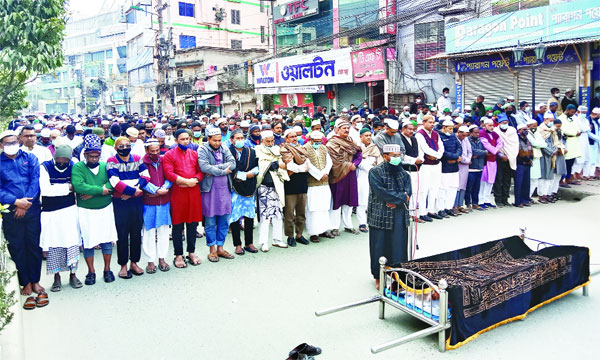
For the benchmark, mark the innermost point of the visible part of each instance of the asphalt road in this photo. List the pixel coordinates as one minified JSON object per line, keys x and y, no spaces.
{"x":259,"y":306}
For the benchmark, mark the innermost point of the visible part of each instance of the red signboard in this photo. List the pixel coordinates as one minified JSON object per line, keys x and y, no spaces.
{"x":368,"y":65}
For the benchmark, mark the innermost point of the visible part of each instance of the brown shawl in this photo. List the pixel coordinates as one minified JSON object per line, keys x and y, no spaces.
{"x":372,"y":150}
{"x":296,"y":153}
{"x":342,"y":152}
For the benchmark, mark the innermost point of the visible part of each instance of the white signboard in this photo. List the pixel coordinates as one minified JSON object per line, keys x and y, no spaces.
{"x":317,"y":89}
{"x":327,"y":67}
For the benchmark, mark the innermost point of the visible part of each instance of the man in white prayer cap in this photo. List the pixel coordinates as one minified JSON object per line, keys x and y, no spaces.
{"x":387,"y":215}
{"x":431,"y":171}
{"x":584,"y":141}
{"x":389,"y":136}
{"x":538,"y":143}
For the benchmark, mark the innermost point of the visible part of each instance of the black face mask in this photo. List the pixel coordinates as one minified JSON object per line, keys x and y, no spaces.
{"x":124,"y":152}
{"x":92,"y":165}
{"x":509,"y":113}
{"x":61,"y":166}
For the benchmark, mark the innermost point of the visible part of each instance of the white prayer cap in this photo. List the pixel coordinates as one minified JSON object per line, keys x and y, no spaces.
{"x":455,"y":113}
{"x":213,"y":132}
{"x":131,"y":131}
{"x":203,"y":116}
{"x":487,"y":121}
{"x":548,"y":115}
{"x":412,"y":116}
{"x":202,"y":123}
{"x":459,"y":120}
{"x":268,"y":118}
{"x":568,"y":90}
{"x":521,"y":126}
{"x":220,"y":121}
{"x":406,"y":107}
{"x":297,"y":129}
{"x":289,"y":131}
{"x":463,"y":129}
{"x":467,"y":107}
{"x":391,"y":148}
{"x":6,"y":133}
{"x":315,"y":135}
{"x":406,"y":123}
{"x":151,"y":142}
{"x":596,"y":111}
{"x":472,"y":127}
{"x":315,"y":123}
{"x":448,"y":123}
{"x":531,"y":122}
{"x":539,"y":106}
{"x":215,"y":116}
{"x":393,"y":124}
{"x":45,"y":133}
{"x":582,"y":108}
{"x":433,"y":108}
{"x":105,"y":122}
{"x":354,"y":117}
{"x":344,"y":110}
{"x":78,"y":127}
{"x":370,"y":116}
{"x":266,"y":134}
{"x":245,"y":124}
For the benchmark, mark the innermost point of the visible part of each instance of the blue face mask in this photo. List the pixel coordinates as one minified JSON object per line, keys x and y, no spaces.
{"x":316,"y":146}
{"x":239,"y":144}
{"x":197,"y":134}
{"x":183,"y":147}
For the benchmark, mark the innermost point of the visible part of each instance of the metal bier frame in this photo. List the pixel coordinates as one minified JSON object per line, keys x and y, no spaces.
{"x":386,"y":276}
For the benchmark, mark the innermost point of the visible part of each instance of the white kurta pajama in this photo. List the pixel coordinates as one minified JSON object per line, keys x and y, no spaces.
{"x":362,"y":176}
{"x":584,"y":144}
{"x":318,"y":201}
{"x":535,"y":173}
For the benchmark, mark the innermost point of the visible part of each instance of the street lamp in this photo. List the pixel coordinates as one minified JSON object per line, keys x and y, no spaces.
{"x":518,"y":53}
{"x":540,"y":51}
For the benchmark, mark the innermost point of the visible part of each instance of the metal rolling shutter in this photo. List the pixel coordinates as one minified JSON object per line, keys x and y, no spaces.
{"x":559,"y":76}
{"x":493,"y":85}
{"x":352,"y":94}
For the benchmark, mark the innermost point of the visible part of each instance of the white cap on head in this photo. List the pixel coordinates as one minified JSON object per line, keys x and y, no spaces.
{"x":448,"y":123}
{"x":412,"y":116}
{"x":568,"y":90}
{"x":433,"y":108}
{"x":521,"y":126}
{"x":548,"y":115}
{"x":104,"y":122}
{"x":393,"y":124}
{"x":531,"y":122}
{"x":354,"y":117}
{"x":297,"y":129}
{"x":582,"y":108}
{"x":78,"y":127}
{"x":131,"y":131}
{"x":38,"y":126}
{"x":245,"y":124}
{"x":215,"y":116}
{"x":315,"y":123}
{"x":541,"y":105}
{"x":6,"y":133}
{"x":45,"y":133}
{"x":596,"y":111}
{"x":510,"y":97}
{"x":463,"y":128}
{"x":406,"y":107}
{"x":406,"y":123}
{"x":266,"y":134}
{"x":213,"y":132}
{"x":487,"y":121}
{"x":467,"y":107}
{"x":289,"y":131}
{"x":458,"y":120}
{"x":299,"y":117}
{"x":472,"y":127}
{"x":220,"y":121}
{"x":391,"y":148}
{"x":344,"y":110}
{"x":370,"y":116}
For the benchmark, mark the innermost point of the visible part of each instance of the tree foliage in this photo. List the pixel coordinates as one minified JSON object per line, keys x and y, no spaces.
{"x":30,"y":45}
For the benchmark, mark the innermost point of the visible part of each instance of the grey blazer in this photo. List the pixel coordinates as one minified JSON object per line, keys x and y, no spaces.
{"x":208,"y":165}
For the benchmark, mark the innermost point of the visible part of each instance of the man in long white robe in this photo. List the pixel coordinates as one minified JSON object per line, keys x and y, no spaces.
{"x":371,"y":157}
{"x":318,"y":197}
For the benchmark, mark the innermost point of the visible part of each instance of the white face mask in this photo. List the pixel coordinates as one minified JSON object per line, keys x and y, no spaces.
{"x":11,"y":150}
{"x":358,"y":125}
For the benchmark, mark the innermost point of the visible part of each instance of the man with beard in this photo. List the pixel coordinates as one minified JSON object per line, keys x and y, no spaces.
{"x":507,"y":161}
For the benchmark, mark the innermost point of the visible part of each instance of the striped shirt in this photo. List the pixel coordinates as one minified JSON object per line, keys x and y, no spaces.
{"x":125,"y":175}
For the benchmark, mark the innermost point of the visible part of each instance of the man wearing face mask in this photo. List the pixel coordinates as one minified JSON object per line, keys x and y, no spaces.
{"x":197,"y":133}
{"x":431,"y":170}
{"x":405,"y":114}
{"x":478,"y":159}
{"x":555,"y":98}
{"x":522,"y":115}
{"x":20,"y":189}
{"x":45,"y":140}
{"x":595,"y":103}
{"x":389,"y":136}
{"x":413,"y":158}
{"x":357,"y":125}
{"x":94,"y":208}
{"x":571,"y":131}
{"x":449,"y":179}
{"x":387,"y":216}
{"x":507,"y":160}
{"x":524,"y":162}
{"x":493,"y":144}
{"x":537,"y":143}
{"x":366,"y":110}
{"x":568,"y":99}
{"x":589,"y":170}
{"x":553,"y":165}
{"x":371,"y":156}
{"x":414,"y":105}
{"x":60,"y":234}
{"x":444,"y":100}
{"x":584,"y":142}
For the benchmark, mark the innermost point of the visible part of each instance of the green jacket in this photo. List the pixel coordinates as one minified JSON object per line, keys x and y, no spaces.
{"x":86,"y":183}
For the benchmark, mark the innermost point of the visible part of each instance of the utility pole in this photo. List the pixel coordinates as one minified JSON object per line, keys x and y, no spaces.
{"x":162,"y":53}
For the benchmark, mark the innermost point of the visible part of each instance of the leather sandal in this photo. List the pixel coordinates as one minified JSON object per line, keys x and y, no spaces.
{"x":30,"y":303}
{"x":224,"y":254}
{"x":42,"y":299}
{"x":213,"y":257}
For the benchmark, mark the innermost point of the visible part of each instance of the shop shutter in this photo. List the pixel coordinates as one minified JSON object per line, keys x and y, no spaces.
{"x":547,"y":77}
{"x":493,"y":85}
{"x":351,"y":94}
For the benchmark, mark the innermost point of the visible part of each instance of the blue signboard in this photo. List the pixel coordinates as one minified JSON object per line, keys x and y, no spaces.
{"x":459,"y":97}
{"x":564,"y":21}
{"x":556,"y":55}
{"x":585,"y":96}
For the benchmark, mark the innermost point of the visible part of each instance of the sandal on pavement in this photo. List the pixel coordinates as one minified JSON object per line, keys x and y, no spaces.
{"x":56,"y":286}
{"x":74,"y":282}
{"x":164,"y":268}
{"x":109,"y":276}
{"x":42,"y":299}
{"x":249,"y":249}
{"x":151,"y":271}
{"x":224,"y":254}
{"x":179,"y":267}
{"x":29,"y":303}
{"x":243,"y":252}
{"x":128,"y":276}
{"x":213,"y":257}
{"x":136,"y":273}
{"x":191,"y":261}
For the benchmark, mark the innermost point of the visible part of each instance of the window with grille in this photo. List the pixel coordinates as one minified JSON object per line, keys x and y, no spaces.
{"x":236,"y":44}
{"x":429,"y":41}
{"x":179,"y":73}
{"x":186,"y":9}
{"x":235,"y":17}
{"x":262,"y":6}
{"x":262,"y":34}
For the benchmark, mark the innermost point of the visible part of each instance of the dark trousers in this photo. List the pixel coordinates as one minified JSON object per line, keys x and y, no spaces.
{"x":190,"y":237}
{"x":248,"y":232}
{"x":129,"y":218}
{"x":570,"y":164}
{"x":473,"y":185}
{"x":522,"y":183}
{"x":294,"y":213}
{"x":23,"y":238}
{"x":502,"y":184}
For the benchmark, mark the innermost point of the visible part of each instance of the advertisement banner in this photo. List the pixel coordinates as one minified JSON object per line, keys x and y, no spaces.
{"x":585,"y":96}
{"x":368,"y":65}
{"x":326,"y":67}
{"x":295,"y":9}
{"x":317,"y":89}
{"x":555,"y":55}
{"x":563,"y":21}
{"x":459,"y":96}
{"x":287,"y":101}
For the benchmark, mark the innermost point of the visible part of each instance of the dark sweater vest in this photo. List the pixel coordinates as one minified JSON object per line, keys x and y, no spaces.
{"x":52,"y":203}
{"x":412,"y":150}
{"x":157,"y":178}
{"x":432,"y":142}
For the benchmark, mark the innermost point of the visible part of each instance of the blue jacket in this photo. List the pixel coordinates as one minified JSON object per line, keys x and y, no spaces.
{"x":20,"y":178}
{"x":479,"y":154}
{"x":452,"y":151}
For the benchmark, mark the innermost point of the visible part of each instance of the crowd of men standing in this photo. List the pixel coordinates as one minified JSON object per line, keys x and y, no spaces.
{"x":72,"y":183}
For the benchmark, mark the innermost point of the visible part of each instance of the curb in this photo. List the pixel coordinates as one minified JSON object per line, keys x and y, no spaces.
{"x":12,"y":344}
